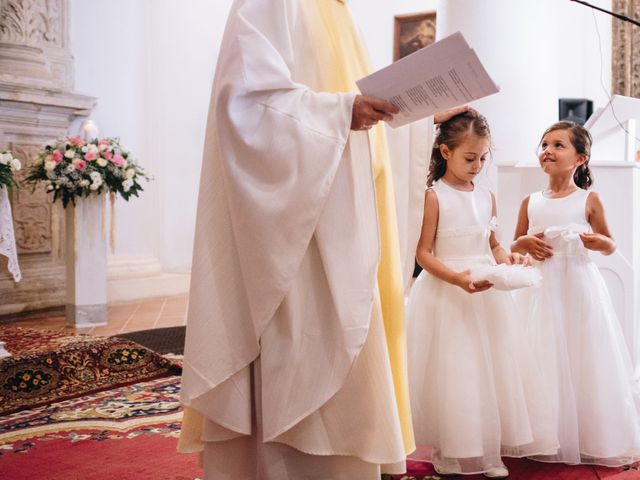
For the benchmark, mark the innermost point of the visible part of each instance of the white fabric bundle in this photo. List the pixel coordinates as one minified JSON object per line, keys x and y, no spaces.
{"x":506,"y":277}
{"x":3,"y":352}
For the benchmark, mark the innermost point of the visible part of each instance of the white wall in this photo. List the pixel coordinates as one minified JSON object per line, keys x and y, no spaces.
{"x":374,"y":19}
{"x":110,"y":51}
{"x":183,"y":48}
{"x":151,"y":65}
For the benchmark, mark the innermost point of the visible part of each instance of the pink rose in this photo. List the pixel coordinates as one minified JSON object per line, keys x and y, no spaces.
{"x":76,"y":141}
{"x":118,"y":160}
{"x":103,"y":145}
{"x":90,"y":155}
{"x":79,"y":164}
{"x":107,"y":155}
{"x":56,"y":156}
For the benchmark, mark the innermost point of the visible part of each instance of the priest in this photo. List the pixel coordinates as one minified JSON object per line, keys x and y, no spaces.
{"x":295,"y":362}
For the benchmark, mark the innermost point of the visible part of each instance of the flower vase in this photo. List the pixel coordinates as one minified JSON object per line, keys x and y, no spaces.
{"x":86,"y":262}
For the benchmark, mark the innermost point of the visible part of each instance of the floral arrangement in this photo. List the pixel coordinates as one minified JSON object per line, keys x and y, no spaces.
{"x":72,"y":168}
{"x":8,"y":166}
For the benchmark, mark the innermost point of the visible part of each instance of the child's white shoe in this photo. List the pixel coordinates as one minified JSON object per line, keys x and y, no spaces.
{"x":497,"y":472}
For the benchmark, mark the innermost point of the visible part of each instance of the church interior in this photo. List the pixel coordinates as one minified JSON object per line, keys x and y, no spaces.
{"x":94,"y":305}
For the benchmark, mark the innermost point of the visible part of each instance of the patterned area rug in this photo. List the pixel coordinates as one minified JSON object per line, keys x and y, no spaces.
{"x":48,"y":366}
{"x":130,"y":432}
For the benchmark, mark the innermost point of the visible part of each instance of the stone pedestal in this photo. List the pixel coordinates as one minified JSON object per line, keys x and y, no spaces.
{"x":86,"y":262}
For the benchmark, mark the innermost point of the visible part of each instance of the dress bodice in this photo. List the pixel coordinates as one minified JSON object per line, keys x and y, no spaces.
{"x":561,"y":220}
{"x":465,"y":222}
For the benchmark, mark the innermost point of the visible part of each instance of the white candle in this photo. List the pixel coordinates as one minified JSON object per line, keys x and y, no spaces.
{"x":89,"y":130}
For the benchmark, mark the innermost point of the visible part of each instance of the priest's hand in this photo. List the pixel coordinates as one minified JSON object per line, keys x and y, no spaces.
{"x":367,"y":111}
{"x":447,"y":114}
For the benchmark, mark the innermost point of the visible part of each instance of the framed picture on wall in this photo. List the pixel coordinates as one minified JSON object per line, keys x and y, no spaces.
{"x":412,"y":32}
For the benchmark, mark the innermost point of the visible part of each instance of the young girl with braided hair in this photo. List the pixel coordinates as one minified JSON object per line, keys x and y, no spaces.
{"x":572,"y":323}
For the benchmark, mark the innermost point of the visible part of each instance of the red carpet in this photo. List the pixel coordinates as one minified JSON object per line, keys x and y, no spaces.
{"x":128,"y":433}
{"x":523,"y":469}
{"x":131,"y":433}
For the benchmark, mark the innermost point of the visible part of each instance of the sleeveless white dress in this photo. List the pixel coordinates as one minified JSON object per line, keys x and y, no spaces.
{"x":579,"y":342}
{"x":475,"y":387}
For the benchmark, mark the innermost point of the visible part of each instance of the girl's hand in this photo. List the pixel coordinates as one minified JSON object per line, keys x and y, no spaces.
{"x":463,"y":280}
{"x":447,"y":114}
{"x":515,"y":258}
{"x":597,"y":242}
{"x":535,"y":246}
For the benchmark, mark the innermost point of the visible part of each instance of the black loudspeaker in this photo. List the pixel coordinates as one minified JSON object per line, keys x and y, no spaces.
{"x":575,"y":109}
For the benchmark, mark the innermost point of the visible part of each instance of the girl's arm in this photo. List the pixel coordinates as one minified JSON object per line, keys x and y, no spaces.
{"x":426,"y":258}
{"x":531,"y":244}
{"x":600,"y":240}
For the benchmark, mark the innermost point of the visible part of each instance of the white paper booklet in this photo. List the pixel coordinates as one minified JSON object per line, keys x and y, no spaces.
{"x":443,"y":75}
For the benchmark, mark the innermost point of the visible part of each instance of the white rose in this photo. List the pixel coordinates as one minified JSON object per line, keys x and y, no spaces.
{"x":95,"y":186}
{"x":130,"y":173}
{"x":15,"y":164}
{"x":126,"y":185}
{"x":95,"y":177}
{"x":49,"y":165}
{"x":84,"y":183}
{"x":102,"y":161}
{"x":70,"y":153}
{"x":5,"y":158}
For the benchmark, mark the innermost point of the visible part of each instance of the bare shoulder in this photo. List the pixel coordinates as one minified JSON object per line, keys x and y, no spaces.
{"x":430,"y":195}
{"x":431,"y":205}
{"x":594,"y":203}
{"x":593,"y":197}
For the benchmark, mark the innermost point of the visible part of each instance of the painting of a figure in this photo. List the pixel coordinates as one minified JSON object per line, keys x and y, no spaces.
{"x":413,"y":32}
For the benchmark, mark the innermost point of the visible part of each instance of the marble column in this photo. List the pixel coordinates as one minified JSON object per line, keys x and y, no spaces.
{"x":37,"y":104}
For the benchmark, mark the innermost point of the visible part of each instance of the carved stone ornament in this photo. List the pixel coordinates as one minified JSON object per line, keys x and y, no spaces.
{"x":625,"y":50}
{"x":30,"y":22}
{"x":34,"y":45}
{"x":32,"y":210}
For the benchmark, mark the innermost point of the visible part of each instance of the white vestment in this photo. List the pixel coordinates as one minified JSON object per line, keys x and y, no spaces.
{"x":285,"y":259}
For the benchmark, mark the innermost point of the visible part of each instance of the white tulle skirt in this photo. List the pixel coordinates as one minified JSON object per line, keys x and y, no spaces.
{"x":580,"y":346}
{"x":476,"y":390}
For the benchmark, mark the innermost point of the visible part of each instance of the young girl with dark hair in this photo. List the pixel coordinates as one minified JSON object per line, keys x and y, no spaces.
{"x":475,"y":388}
{"x":572,"y":323}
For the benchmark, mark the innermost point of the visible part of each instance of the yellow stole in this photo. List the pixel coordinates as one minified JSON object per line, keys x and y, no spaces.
{"x":344,"y":52}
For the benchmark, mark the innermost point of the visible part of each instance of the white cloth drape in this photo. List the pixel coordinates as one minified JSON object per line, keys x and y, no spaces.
{"x":7,"y":235}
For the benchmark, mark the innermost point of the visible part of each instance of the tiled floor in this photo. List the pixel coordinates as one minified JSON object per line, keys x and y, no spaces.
{"x":125,"y":317}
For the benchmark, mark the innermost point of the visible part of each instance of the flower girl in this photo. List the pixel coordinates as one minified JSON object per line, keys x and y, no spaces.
{"x":475,"y":387}
{"x":572,"y":322}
